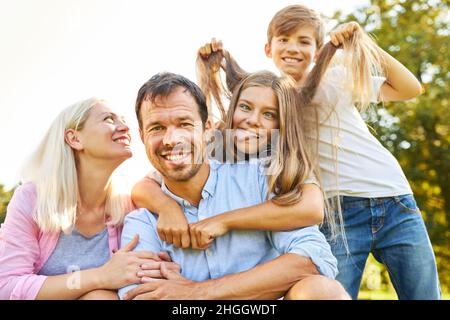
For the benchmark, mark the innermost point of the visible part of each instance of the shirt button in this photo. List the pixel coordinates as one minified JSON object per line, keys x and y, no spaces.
{"x":209,"y":252}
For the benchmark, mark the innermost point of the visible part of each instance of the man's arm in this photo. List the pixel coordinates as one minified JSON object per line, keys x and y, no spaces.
{"x":141,"y":223}
{"x":270,"y":280}
{"x":304,"y":252}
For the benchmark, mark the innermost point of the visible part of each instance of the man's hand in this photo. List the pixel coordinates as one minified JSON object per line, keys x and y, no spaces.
{"x":152,"y":270}
{"x":205,"y":231}
{"x":173,"y":227}
{"x":172,"y":287}
{"x":344,"y":32}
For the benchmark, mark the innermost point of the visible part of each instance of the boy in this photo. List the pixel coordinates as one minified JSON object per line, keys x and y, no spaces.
{"x":379,"y":211}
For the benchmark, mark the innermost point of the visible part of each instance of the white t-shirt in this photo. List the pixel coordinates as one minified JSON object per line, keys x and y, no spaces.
{"x":365,"y":168}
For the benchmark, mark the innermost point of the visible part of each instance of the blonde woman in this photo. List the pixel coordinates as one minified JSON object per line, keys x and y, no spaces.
{"x":63,"y":224}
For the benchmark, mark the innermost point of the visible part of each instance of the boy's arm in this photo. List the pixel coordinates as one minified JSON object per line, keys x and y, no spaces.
{"x":400,"y":83}
{"x":265,"y":216}
{"x":269,"y":280}
{"x":172,"y":223}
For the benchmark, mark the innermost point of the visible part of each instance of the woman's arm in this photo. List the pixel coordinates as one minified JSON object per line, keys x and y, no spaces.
{"x":265,"y":216}
{"x":121,"y":270}
{"x":70,"y":286}
{"x":19,"y":248}
{"x":172,"y":223}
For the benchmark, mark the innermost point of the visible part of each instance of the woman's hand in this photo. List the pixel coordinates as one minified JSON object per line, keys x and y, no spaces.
{"x":205,"y":231}
{"x":123,"y":267}
{"x":344,"y":32}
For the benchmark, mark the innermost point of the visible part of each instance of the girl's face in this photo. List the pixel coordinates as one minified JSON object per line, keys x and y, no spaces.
{"x":255,"y":116}
{"x":105,"y":136}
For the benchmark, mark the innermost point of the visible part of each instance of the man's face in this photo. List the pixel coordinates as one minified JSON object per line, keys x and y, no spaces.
{"x":293,"y":53}
{"x":173,"y":134}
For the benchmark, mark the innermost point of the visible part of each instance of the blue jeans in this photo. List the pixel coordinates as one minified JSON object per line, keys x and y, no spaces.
{"x":392,"y":229}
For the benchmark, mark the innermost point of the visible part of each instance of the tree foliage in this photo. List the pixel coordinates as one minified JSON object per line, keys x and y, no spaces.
{"x":417,"y":132}
{"x":5,"y":197}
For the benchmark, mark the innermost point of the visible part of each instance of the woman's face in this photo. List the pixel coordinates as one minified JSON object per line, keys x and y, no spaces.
{"x":255,"y":116}
{"x":105,"y":136}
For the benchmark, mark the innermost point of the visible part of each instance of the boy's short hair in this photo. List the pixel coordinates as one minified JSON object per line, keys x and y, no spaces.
{"x":291,"y":17}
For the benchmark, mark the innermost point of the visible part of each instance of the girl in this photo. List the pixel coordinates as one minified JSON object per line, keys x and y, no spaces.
{"x":260,"y":102}
{"x":66,"y":217}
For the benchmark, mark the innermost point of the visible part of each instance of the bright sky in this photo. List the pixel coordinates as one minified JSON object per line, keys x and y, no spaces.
{"x":56,"y":52}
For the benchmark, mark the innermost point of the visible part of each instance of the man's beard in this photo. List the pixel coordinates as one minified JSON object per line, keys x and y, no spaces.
{"x":185,"y":171}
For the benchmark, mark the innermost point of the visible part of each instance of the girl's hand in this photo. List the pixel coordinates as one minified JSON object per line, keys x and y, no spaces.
{"x":173,"y":226}
{"x":344,"y":32}
{"x":123,"y":267}
{"x":210,"y":47}
{"x":205,"y":231}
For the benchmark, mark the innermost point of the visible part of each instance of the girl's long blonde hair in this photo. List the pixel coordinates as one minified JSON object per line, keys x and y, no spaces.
{"x":361,"y":59}
{"x":291,"y":162}
{"x":52,"y":168}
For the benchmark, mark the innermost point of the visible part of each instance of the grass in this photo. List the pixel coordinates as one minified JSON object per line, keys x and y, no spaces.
{"x":376,"y":275}
{"x":386,"y":295}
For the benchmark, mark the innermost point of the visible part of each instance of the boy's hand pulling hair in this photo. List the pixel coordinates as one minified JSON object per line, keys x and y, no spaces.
{"x":344,"y":32}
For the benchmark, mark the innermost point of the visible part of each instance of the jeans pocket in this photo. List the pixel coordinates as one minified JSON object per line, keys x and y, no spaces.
{"x":407,"y":203}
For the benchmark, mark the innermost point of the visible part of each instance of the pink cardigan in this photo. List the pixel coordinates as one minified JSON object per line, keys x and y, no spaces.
{"x":24,"y":249}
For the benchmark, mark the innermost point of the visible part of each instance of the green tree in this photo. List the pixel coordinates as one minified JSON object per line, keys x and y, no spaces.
{"x":417,"y":132}
{"x":5,"y":197}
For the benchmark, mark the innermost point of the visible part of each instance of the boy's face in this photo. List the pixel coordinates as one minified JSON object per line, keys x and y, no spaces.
{"x":293,"y":53}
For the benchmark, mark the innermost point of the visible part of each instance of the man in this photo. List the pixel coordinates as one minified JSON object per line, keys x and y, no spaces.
{"x":298,"y":264}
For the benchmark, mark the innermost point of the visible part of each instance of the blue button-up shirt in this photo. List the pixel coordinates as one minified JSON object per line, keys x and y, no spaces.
{"x":229,"y":187}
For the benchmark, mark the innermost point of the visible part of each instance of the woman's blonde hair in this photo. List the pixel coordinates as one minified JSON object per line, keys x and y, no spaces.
{"x":52,"y":168}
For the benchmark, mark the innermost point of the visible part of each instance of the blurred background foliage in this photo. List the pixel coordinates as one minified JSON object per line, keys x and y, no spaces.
{"x":5,"y":196}
{"x":416,"y":132}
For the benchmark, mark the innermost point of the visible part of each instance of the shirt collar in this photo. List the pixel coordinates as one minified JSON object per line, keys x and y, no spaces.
{"x":178,"y":199}
{"x":208,"y":190}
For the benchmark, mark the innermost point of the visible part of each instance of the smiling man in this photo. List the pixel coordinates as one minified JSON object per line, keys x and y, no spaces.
{"x":298,"y":264}
{"x":169,"y":133}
